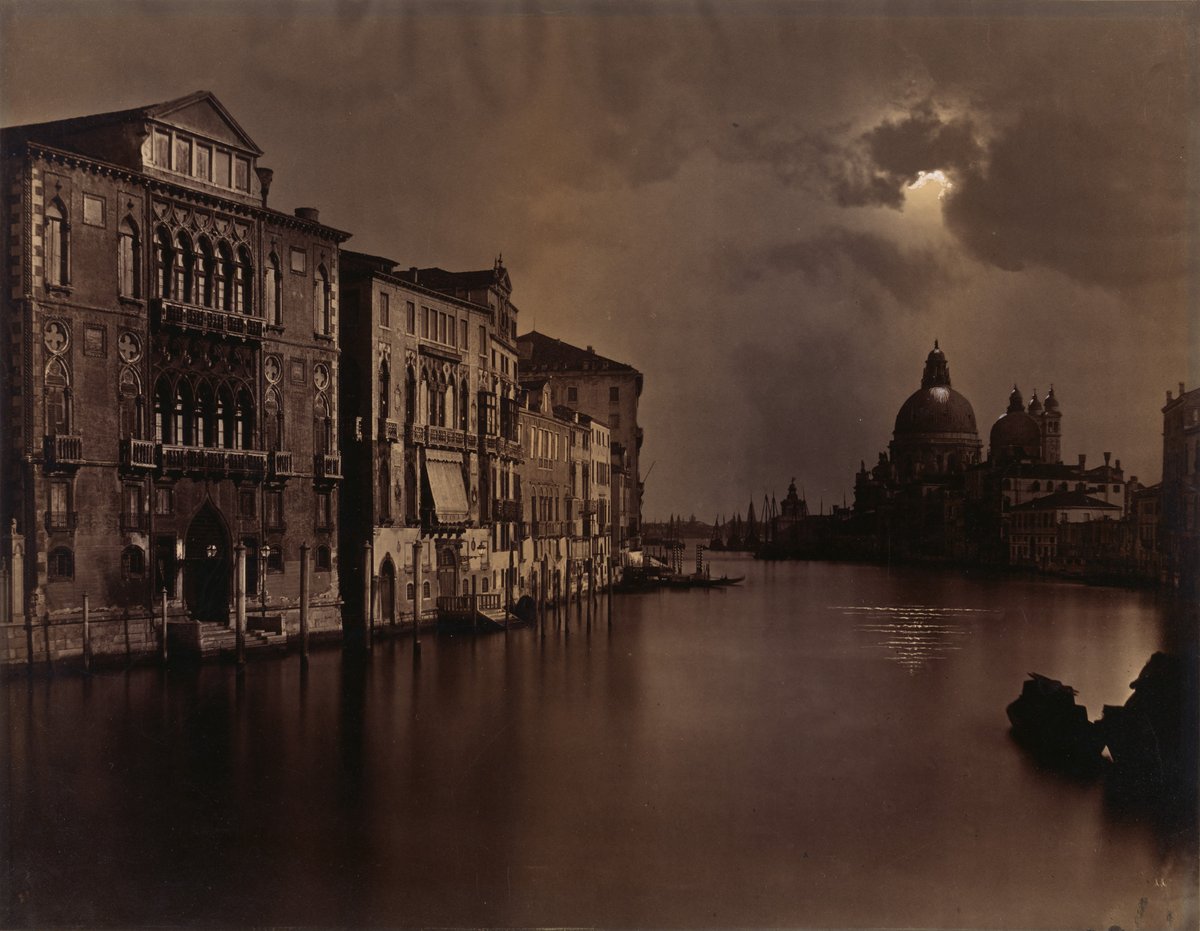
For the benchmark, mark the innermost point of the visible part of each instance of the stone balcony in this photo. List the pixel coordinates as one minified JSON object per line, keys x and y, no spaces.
{"x":138,"y":454}
{"x":389,"y":431}
{"x":210,"y":462}
{"x":200,"y":319}
{"x":327,"y":466}
{"x":63,"y":451}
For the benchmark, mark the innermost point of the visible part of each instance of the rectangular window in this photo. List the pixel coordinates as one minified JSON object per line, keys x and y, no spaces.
{"x":442,"y":328}
{"x":59,"y":515}
{"x":221,"y":164}
{"x":483,"y":346}
{"x":183,"y":155}
{"x":614,"y":421}
{"x":247,"y":502}
{"x":411,"y":310}
{"x":614,"y":395}
{"x":273,"y":506}
{"x":203,"y":162}
{"x":385,"y":310}
{"x":426,"y":313}
{"x":462,"y":336}
{"x":572,"y":394}
{"x":241,"y":178}
{"x":453,"y":332}
{"x":162,"y":149}
{"x":164,"y":501}
{"x":324,"y":510}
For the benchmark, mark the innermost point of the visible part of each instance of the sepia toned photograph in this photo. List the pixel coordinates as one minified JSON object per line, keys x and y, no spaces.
{"x":634,"y":464}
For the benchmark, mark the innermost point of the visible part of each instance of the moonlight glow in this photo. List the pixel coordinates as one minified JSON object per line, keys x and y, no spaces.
{"x":938,"y":177}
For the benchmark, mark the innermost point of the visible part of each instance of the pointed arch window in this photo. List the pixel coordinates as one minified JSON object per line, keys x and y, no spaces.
{"x":164,"y":261}
{"x":321,"y":302}
{"x":462,"y":407}
{"x":185,"y":270}
{"x":129,"y":259}
{"x":163,"y":405}
{"x":410,"y":396}
{"x":129,"y":401}
{"x":244,"y":438}
{"x":206,"y":288}
{"x":58,"y":399}
{"x":385,"y":390}
{"x":57,"y":245}
{"x":322,"y":426}
{"x":449,"y":407}
{"x":272,"y":304}
{"x":272,"y":421}
{"x":229,"y":295}
{"x":385,"y":487}
{"x":244,"y":286}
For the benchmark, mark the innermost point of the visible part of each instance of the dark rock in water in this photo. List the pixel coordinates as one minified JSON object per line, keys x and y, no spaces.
{"x":1046,"y":720}
{"x":1148,"y":737}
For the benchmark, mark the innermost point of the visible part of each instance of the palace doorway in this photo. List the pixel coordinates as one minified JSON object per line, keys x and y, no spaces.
{"x":207,"y":567}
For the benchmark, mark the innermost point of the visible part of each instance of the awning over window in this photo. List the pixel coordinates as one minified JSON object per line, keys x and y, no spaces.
{"x":443,"y":475}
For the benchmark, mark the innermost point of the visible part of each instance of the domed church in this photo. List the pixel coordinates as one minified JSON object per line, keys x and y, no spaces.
{"x":1022,"y":435}
{"x":935,"y":434}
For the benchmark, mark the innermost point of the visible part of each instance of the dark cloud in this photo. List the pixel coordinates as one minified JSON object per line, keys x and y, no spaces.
{"x":908,"y":275}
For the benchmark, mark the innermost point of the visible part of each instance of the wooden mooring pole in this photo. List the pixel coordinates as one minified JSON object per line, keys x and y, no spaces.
{"x":304,"y":604}
{"x":87,"y":636}
{"x":163,"y":645}
{"x":416,"y":574}
{"x":239,"y":600}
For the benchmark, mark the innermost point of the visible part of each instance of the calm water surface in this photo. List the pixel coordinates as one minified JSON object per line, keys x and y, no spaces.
{"x":826,"y":746}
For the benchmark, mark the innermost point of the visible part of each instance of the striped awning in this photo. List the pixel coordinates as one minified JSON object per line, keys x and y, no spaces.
{"x":443,"y":473}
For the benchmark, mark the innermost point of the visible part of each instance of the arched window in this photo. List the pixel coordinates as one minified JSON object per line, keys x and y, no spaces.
{"x":129,"y":259}
{"x":133,"y":562}
{"x":385,"y":389}
{"x":322,"y":428}
{"x":323,"y":559}
{"x":206,"y":287}
{"x":244,"y":292}
{"x":410,"y":396}
{"x":245,"y":420}
{"x":463,"y":394}
{"x":425,"y":590}
{"x":449,"y":407}
{"x":58,"y":398}
{"x":321,"y":302}
{"x":272,"y":305}
{"x":185,"y":269}
{"x":58,"y":244}
{"x":225,"y":418}
{"x":272,"y":420}
{"x":182,"y":431}
{"x":164,"y":404}
{"x":130,"y":403}
{"x":60,"y":564}
{"x":387,"y":591}
{"x":207,"y":417}
{"x":164,"y":261}
{"x":409,"y":591}
{"x":425,"y":413}
{"x":229,"y":294}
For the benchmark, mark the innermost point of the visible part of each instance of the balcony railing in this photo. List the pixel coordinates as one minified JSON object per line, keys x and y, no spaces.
{"x":491,"y":444}
{"x":62,"y":520}
{"x":506,"y":510}
{"x":135,"y":522}
{"x":139,"y":454}
{"x":511,"y":449}
{"x":327,"y":466}
{"x":206,"y":319}
{"x":415,"y":433}
{"x":468,"y":605}
{"x":389,"y":431}
{"x":546,"y":528}
{"x":63,"y":450}
{"x":445,"y":436}
{"x":587,"y":506}
{"x":279,"y":464}
{"x":210,"y":462}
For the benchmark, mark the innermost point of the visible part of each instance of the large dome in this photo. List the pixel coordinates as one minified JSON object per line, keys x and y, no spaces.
{"x":938,"y":409}
{"x":935,"y":407}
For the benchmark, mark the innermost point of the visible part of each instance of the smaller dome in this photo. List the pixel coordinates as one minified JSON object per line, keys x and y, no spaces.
{"x":1051,"y":400}
{"x":1034,"y":404}
{"x":1015,"y":436}
{"x":1015,"y":405}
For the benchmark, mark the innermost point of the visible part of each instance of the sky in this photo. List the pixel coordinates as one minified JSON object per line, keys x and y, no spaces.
{"x":770,"y":209}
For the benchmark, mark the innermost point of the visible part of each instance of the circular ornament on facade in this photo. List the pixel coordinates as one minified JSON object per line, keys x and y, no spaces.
{"x":129,"y":347}
{"x":320,"y":376}
{"x":56,"y":337}
{"x":272,"y":369}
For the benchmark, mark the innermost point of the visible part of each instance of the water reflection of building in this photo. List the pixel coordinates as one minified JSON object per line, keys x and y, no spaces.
{"x":1180,"y":491}
{"x":170,"y":378}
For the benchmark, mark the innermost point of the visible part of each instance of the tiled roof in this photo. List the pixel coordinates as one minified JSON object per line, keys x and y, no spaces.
{"x":541,"y":353}
{"x":1065,"y":499}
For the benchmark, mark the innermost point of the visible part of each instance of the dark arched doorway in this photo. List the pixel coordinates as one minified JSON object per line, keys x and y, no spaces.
{"x":387,"y":592}
{"x":206,"y":567}
{"x":447,"y":563}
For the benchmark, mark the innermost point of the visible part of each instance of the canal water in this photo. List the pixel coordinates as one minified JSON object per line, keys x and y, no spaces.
{"x":823,"y":746}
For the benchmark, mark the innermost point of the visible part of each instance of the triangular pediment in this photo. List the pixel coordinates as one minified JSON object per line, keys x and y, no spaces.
{"x":203,"y":114}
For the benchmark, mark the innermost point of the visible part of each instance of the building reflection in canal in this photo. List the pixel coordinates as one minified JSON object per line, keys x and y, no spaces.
{"x":752,"y":757}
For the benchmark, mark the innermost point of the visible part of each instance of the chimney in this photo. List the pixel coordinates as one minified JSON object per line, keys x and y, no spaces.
{"x":1082,"y":460}
{"x":1181,"y":389}
{"x":1107,"y":456}
{"x":412,"y":270}
{"x":265,"y":176}
{"x":1168,"y":397}
{"x":1119,"y":466}
{"x":591,"y":350}
{"x":312,"y":214}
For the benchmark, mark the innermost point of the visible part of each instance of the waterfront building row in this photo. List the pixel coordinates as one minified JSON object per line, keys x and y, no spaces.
{"x":191,"y":374}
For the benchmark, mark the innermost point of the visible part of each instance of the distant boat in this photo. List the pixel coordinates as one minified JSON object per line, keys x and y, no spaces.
{"x":701,"y":581}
